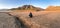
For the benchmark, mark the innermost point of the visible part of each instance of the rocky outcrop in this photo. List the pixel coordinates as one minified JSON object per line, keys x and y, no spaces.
{"x":53,"y":8}
{"x":7,"y":21}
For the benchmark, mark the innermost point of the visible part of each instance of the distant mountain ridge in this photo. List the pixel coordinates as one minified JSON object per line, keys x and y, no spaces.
{"x":28,"y":7}
{"x":53,"y":8}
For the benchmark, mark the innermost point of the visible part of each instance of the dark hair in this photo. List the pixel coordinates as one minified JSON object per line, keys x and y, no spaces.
{"x":30,"y":15}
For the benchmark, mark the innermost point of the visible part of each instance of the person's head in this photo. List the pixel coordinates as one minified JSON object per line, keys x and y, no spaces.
{"x":30,"y":12}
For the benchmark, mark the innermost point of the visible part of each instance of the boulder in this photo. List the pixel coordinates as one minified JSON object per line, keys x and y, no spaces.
{"x":8,"y":21}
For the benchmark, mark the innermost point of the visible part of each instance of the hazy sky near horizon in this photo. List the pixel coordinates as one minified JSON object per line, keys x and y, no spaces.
{"x":4,"y":4}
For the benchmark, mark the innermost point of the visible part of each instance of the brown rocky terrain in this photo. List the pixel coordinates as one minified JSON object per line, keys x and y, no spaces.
{"x":41,"y":19}
{"x":53,"y":8}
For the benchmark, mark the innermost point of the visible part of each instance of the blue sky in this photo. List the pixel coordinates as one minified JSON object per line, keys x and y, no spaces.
{"x":4,"y":4}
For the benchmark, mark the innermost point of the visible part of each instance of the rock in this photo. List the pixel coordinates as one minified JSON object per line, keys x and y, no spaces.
{"x":7,"y":21}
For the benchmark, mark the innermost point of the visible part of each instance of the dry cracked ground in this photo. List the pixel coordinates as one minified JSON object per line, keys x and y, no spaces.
{"x":40,"y":19}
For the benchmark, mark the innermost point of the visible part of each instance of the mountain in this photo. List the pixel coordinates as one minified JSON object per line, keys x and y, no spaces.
{"x":28,"y":7}
{"x":53,"y":8}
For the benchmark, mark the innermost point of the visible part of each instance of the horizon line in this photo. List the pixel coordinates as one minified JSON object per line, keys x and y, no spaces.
{"x":32,"y":5}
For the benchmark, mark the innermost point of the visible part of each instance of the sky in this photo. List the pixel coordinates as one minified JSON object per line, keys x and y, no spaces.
{"x":7,"y":4}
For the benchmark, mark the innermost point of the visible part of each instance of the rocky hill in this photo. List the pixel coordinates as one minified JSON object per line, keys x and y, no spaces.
{"x":28,"y":7}
{"x":53,"y":8}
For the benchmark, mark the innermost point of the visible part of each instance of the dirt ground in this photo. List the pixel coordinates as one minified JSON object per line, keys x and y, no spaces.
{"x":41,"y":19}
